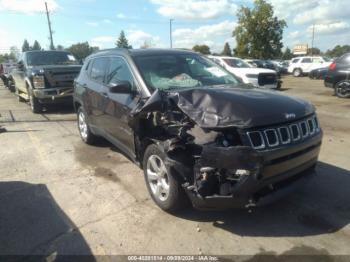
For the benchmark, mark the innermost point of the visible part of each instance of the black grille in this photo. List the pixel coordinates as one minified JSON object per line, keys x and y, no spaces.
{"x":267,"y":79}
{"x":294,"y":132}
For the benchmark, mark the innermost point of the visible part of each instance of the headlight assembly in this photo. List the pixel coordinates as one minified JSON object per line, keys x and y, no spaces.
{"x":38,"y":81}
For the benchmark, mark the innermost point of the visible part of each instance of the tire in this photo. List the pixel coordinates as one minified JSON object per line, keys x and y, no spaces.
{"x":342,"y":89}
{"x":297,"y":72}
{"x":164,"y":188}
{"x":34,"y":103}
{"x":84,"y":130}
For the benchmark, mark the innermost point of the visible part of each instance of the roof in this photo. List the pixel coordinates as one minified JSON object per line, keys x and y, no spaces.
{"x":46,"y":51}
{"x":142,"y":52}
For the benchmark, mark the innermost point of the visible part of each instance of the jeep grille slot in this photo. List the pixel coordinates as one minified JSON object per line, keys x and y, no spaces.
{"x":256,"y":139}
{"x":283,"y":135}
{"x":304,"y":129}
{"x":295,"y":132}
{"x":271,"y":137}
{"x":311,"y":125}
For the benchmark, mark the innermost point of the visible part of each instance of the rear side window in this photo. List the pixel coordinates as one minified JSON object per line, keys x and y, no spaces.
{"x":345,"y":59}
{"x":98,"y":69}
{"x":306,"y":60}
{"x":295,"y":61}
{"x":317,"y":60}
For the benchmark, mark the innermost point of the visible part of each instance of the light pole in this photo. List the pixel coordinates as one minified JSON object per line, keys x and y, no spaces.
{"x":171,"y":32}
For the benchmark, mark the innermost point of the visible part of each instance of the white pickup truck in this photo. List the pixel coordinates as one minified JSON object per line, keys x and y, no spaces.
{"x":259,"y":77}
{"x":303,"y":65}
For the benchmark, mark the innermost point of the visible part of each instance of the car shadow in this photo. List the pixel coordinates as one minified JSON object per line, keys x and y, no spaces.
{"x":31,"y":223}
{"x":65,"y":108}
{"x":320,"y":206}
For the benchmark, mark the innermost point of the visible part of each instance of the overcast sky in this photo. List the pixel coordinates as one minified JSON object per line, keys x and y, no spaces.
{"x":208,"y":22}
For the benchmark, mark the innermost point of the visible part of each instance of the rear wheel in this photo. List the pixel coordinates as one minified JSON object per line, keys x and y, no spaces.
{"x":342,"y":89}
{"x":84,"y":130}
{"x":164,"y":188}
{"x":297,"y":72}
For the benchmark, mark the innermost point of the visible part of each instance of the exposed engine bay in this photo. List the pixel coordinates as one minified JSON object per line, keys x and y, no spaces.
{"x":209,"y":161}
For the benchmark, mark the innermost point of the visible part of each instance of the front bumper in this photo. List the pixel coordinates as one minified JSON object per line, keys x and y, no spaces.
{"x":280,"y":172}
{"x":53,"y":93}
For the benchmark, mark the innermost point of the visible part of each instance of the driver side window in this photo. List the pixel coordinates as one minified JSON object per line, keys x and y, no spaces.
{"x":119,"y":71}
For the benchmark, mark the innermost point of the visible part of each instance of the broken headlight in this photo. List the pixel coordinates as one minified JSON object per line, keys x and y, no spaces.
{"x":229,"y":138}
{"x":38,"y":81}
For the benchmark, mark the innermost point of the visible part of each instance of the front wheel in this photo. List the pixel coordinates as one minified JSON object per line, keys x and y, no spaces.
{"x":163,"y":187}
{"x":342,"y":89}
{"x":34,"y":103}
{"x":297,"y":72}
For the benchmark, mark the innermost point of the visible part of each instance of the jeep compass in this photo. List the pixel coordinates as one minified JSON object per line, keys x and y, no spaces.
{"x":197,"y":132}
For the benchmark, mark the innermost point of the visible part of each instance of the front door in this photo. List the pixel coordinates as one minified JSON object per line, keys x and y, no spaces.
{"x":118,"y":108}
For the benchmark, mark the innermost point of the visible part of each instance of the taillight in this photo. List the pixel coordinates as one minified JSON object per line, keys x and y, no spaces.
{"x":332,"y":66}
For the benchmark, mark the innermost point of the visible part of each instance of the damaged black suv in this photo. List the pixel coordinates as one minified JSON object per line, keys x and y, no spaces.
{"x":197,"y":131}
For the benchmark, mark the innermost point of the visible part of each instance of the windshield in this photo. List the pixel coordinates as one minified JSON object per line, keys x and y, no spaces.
{"x":50,"y":58}
{"x":181,"y":71}
{"x":235,"y":62}
{"x":326,"y":59}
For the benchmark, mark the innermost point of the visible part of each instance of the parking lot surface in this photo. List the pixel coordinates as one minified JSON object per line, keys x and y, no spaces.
{"x":60,"y":196}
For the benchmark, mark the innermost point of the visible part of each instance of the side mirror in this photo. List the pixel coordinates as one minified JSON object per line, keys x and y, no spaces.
{"x":122,"y":87}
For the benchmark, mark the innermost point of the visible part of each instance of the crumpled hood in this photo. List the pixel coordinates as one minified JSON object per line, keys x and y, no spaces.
{"x":240,"y":107}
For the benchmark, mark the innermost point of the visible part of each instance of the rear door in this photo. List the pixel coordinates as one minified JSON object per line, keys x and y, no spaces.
{"x":96,"y":96}
{"x":306,"y":64}
{"x":118,"y":107}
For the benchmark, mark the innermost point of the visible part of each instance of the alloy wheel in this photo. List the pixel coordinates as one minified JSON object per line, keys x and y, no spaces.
{"x":82,"y":125}
{"x":157,"y":177}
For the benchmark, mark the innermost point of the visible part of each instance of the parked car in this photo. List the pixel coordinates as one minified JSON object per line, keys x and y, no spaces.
{"x":300,"y":66}
{"x":266,"y":64}
{"x":259,"y":77}
{"x":5,"y":70}
{"x":43,"y":77}
{"x":338,"y":76}
{"x":197,"y":132}
{"x":318,"y":73}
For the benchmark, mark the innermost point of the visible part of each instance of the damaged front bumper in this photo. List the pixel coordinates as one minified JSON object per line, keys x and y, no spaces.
{"x":271,"y":174}
{"x":52,"y":94}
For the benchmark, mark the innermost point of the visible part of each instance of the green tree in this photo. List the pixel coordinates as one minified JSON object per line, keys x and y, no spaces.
{"x":25,"y":46}
{"x":338,"y":51}
{"x":36,"y":46}
{"x":82,"y":50}
{"x":259,"y":33}
{"x":287,"y":54}
{"x":227,"y":50}
{"x":122,"y":41}
{"x":313,"y":51}
{"x":203,"y":49}
{"x":60,"y":47}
